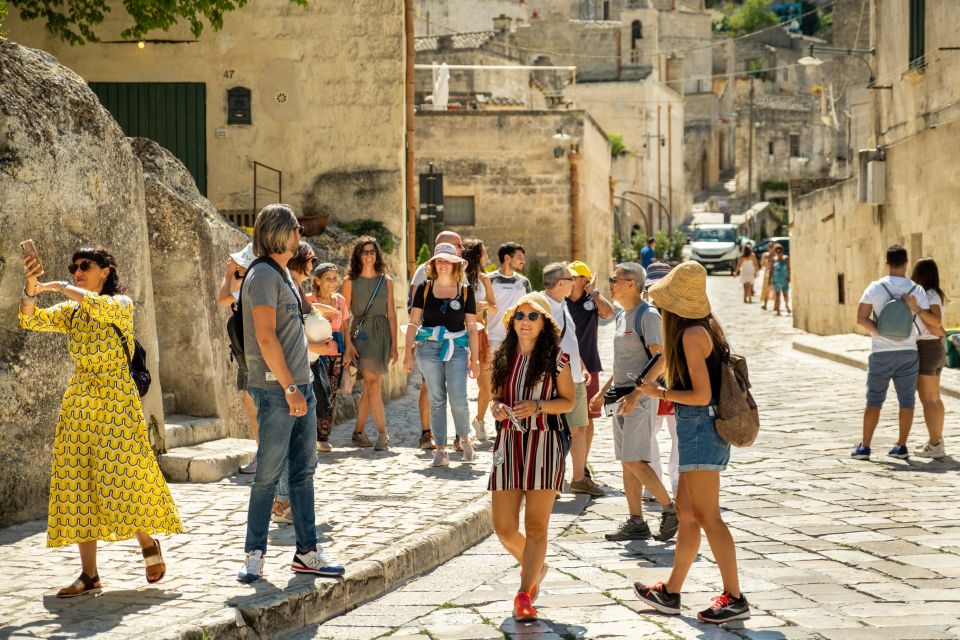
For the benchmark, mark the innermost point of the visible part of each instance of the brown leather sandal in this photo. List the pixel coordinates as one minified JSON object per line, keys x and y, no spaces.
{"x":153,"y":561}
{"x":81,"y":586}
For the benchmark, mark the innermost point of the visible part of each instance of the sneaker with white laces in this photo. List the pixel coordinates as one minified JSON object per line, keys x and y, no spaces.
{"x":316,"y":563}
{"x":252,"y":568}
{"x":469,"y":455}
{"x":440,"y":458}
{"x":932,"y":451}
{"x":479,"y":427}
{"x":860,"y":452}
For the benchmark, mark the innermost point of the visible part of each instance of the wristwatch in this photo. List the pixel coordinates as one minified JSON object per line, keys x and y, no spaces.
{"x":292,"y":389}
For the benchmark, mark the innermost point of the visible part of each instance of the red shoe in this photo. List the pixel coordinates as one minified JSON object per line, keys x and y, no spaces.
{"x":523,"y":610}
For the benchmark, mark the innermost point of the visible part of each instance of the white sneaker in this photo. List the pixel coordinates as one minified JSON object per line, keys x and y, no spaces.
{"x":252,"y":568}
{"x":250,"y":467}
{"x":440,"y":458}
{"x":469,"y":455}
{"x":478,"y":426}
{"x":932,"y":451}
{"x":316,"y":563}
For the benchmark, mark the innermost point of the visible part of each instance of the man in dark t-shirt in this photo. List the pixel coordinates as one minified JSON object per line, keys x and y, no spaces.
{"x":587,"y":307}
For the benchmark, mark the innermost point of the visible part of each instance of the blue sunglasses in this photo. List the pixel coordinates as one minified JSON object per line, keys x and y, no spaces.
{"x":533,"y":316}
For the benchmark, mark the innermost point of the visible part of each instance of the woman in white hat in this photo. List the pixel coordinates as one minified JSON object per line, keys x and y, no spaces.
{"x":443,"y":325}
{"x":532,"y":389}
{"x":694,"y":350}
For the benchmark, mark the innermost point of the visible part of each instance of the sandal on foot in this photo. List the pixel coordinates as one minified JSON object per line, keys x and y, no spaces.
{"x":81,"y":586}
{"x":153,"y":562}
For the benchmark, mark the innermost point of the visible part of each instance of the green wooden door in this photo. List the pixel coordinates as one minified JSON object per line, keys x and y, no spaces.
{"x":172,"y":114}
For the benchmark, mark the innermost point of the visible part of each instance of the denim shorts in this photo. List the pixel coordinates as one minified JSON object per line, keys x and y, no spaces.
{"x":900,"y":366}
{"x":701,"y":449}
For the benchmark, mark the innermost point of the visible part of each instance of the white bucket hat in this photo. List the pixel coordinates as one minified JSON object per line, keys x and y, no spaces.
{"x":245,"y":257}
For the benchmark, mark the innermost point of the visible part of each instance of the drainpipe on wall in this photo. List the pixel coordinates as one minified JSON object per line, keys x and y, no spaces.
{"x":409,"y":168}
{"x":669,"y":170}
{"x":659,"y":170}
{"x":575,"y":204}
{"x":618,"y":39}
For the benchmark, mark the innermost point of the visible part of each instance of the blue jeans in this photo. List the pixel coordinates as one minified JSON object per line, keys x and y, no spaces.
{"x":445,"y":380}
{"x":286,"y":442}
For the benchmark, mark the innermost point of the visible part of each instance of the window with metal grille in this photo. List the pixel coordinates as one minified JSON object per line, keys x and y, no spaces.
{"x":794,"y":145}
{"x":917,"y":48}
{"x":458,"y":211}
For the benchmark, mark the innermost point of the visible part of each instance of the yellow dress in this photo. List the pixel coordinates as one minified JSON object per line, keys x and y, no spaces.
{"x":105,"y":483}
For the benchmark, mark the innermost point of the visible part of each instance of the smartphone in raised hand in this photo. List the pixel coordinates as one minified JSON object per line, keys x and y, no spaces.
{"x":28,"y":249}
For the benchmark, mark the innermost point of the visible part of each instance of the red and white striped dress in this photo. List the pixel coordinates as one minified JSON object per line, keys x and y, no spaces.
{"x":533,"y":459}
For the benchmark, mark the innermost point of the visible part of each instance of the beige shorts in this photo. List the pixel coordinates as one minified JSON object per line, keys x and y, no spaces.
{"x":633,"y":434}
{"x":578,"y":416}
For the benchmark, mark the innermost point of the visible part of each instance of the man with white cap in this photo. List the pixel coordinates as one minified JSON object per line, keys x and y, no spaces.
{"x":237,"y":265}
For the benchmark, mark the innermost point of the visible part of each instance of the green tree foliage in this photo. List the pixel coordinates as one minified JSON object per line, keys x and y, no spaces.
{"x":75,"y":21}
{"x":663,"y":243}
{"x":617,"y":147}
{"x":423,"y":254}
{"x":374,"y":228}
{"x":752,"y":16}
{"x":3,"y":14}
{"x":534,"y":273}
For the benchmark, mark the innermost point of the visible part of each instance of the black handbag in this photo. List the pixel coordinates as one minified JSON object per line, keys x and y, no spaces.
{"x":613,"y":394}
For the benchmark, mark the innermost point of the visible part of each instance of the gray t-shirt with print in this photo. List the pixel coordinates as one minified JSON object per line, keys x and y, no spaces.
{"x":263,"y":286}
{"x":629,"y":355}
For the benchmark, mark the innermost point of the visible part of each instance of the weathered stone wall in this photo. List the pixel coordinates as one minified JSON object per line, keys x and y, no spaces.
{"x":189,"y":245}
{"x":67,"y":179}
{"x":833,"y":234}
{"x":521,"y":191}
{"x":327,"y":84}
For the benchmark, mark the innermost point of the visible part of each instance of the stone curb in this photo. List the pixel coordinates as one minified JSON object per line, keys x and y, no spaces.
{"x":320,"y":599}
{"x":860,"y":363}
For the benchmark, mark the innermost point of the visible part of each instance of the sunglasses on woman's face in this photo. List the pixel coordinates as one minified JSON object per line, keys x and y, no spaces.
{"x":83,"y":265}
{"x":532,"y":316}
{"x":368,"y":252}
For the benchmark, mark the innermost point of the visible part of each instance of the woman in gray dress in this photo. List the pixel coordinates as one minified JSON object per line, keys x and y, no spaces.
{"x":370,"y":333}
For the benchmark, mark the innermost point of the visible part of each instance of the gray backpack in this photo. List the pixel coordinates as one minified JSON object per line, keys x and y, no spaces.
{"x":895,"y":321}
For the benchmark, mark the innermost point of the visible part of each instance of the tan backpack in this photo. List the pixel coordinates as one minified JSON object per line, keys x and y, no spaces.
{"x":738,"y":420}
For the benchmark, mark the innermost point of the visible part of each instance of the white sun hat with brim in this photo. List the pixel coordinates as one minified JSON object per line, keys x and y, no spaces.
{"x":245,"y":257}
{"x":447,"y":252}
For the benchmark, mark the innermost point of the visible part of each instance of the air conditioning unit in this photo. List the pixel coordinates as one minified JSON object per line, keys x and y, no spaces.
{"x":872,"y":176}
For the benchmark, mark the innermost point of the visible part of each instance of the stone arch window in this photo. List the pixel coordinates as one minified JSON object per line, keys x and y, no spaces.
{"x":636,"y":33}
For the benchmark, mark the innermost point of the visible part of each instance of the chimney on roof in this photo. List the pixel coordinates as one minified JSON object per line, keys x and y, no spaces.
{"x":501,"y":24}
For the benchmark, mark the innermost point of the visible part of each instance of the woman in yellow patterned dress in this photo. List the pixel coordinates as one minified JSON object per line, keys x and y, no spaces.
{"x":105,"y":482}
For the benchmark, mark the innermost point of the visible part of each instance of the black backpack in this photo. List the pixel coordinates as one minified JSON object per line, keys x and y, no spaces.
{"x":235,"y":321}
{"x":136,"y":362}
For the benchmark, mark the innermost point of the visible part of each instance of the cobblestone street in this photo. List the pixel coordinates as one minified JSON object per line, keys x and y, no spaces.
{"x":828,"y":547}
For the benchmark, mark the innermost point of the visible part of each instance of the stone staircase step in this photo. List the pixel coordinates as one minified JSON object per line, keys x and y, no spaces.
{"x":207,"y":462}
{"x":185,"y":431}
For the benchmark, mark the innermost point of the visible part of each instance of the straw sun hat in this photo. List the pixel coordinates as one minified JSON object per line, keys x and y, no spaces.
{"x":683,"y":291}
{"x":540,"y":303}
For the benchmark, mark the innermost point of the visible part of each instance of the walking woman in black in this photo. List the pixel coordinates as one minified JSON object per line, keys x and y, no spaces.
{"x":694,"y":349}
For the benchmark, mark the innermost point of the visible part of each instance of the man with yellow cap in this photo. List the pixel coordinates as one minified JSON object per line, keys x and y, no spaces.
{"x":587,"y":307}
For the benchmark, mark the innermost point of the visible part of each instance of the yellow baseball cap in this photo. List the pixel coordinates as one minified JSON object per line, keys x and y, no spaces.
{"x":578,"y":268}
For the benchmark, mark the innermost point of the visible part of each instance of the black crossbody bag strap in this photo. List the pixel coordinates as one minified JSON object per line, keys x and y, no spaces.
{"x":363,"y":316}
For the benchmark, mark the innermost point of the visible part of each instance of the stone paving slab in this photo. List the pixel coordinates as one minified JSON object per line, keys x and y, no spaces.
{"x":386,"y":514}
{"x":828,"y":547}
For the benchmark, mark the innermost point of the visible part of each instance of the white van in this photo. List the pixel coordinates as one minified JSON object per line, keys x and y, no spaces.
{"x":715,"y":246}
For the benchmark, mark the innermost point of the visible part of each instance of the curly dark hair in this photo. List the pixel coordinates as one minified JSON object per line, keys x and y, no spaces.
{"x":543,"y":360}
{"x":113,"y":285}
{"x":473,"y":254}
{"x":356,"y":266}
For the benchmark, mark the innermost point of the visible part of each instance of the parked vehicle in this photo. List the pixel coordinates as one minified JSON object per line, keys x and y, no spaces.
{"x":715,"y":246}
{"x":784,"y":241}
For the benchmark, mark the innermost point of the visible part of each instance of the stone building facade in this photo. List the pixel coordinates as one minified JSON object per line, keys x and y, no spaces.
{"x":504,"y":182}
{"x":839,"y":242}
{"x":326,"y":101}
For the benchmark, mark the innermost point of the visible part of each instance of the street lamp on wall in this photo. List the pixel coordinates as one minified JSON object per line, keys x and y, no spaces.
{"x":811,"y":60}
{"x":561,"y":138}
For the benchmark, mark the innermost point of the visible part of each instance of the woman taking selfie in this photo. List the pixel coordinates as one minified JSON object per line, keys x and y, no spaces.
{"x":105,"y":481}
{"x":371,"y":333}
{"x":532,"y":389}
{"x":694,"y":349}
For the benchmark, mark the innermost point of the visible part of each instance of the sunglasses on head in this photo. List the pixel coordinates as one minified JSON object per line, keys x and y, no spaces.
{"x":533,"y":316}
{"x":83,"y":265}
{"x":300,"y":229}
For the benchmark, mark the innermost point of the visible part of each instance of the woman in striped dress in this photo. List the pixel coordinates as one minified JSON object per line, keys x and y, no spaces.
{"x":532,"y":389}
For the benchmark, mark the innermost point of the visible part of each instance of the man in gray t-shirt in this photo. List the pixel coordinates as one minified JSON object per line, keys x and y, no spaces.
{"x":265,"y":287}
{"x":637,"y":337}
{"x":279,"y":377}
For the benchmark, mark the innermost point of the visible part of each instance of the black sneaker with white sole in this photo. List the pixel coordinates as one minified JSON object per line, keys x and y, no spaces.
{"x":658,"y":597}
{"x":726,"y":608}
{"x":669,"y":524}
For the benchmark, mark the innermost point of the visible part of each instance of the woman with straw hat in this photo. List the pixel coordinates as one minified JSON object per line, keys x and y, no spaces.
{"x":694,"y":349}
{"x":532,"y":389}
{"x":443,"y":323}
